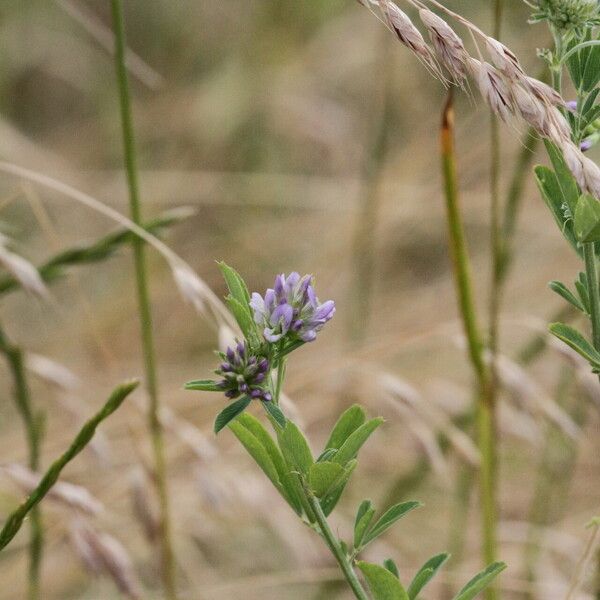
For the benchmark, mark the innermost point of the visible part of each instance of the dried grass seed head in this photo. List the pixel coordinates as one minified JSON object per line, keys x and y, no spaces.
{"x":504,"y":59}
{"x":573,"y":158}
{"x":494,"y":88}
{"x":449,"y":48}
{"x":408,"y":34}
{"x":542,"y":91}
{"x":531,"y":109}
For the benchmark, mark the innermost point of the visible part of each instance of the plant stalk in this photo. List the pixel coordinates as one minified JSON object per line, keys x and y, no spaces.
{"x":155,"y":428}
{"x":33,"y":430}
{"x":464,"y":288}
{"x":591,"y":270}
{"x":335,"y":548}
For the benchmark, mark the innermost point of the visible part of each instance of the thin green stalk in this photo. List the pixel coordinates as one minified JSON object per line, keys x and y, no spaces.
{"x":168,"y":562}
{"x":591,"y":270}
{"x":86,"y":433}
{"x":33,"y":430}
{"x":335,"y":548}
{"x":464,"y":288}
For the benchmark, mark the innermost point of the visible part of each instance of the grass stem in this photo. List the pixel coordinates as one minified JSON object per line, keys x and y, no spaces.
{"x":464,"y":288}
{"x":168,"y":562}
{"x":33,"y":424}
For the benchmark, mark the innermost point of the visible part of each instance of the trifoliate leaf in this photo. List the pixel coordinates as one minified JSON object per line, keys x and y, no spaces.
{"x":323,"y":477}
{"x":349,"y":449}
{"x":425,"y":574}
{"x":392,"y":515}
{"x":349,"y":421}
{"x":295,"y":448}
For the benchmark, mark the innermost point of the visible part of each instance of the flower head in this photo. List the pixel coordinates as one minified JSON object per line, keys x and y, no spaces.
{"x":291,"y":308}
{"x":243,"y":373}
{"x":568,"y":15}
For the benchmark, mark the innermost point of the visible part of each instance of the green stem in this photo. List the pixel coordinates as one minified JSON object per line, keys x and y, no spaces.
{"x":591,"y":270}
{"x":335,"y":548}
{"x":86,"y":433}
{"x":464,"y":288}
{"x":280,"y":378}
{"x":33,"y":431}
{"x":168,"y":562}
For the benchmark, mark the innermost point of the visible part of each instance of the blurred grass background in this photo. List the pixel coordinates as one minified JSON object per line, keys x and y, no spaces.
{"x":261,"y":116}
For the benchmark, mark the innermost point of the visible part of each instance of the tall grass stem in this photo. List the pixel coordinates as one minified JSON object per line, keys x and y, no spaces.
{"x":466,"y":301}
{"x":155,"y":428}
{"x":33,"y":424}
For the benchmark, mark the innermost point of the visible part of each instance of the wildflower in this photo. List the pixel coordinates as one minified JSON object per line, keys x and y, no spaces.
{"x":568,"y":15}
{"x":243,"y":373}
{"x":572,"y":105}
{"x":291,"y":308}
{"x":586,"y":144}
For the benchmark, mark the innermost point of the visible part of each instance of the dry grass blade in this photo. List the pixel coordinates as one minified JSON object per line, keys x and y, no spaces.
{"x":104,"y":554}
{"x":22,"y":270}
{"x":518,"y":381}
{"x":52,"y":371}
{"x":191,"y":286}
{"x":104,"y":36}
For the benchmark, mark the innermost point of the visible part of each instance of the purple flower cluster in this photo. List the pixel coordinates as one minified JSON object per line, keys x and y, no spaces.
{"x":243,"y":373}
{"x":291,"y":307}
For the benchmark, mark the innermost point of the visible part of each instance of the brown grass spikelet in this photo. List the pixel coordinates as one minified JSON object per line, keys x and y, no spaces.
{"x":449,"y":47}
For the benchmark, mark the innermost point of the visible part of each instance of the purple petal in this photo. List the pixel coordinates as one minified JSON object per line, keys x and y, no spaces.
{"x":308,"y":336}
{"x":312,"y":298}
{"x":257,"y":304}
{"x":270,"y":336}
{"x":325,"y":311}
{"x":280,"y":285}
{"x":283,"y":315}
{"x":270,"y":300}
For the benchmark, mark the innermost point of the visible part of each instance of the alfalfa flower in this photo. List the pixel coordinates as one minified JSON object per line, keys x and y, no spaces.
{"x":291,"y":309}
{"x":243,"y":373}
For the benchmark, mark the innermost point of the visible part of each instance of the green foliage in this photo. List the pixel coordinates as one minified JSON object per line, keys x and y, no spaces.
{"x":480,"y":581}
{"x":325,"y":477}
{"x":392,"y":515}
{"x":354,"y":442}
{"x":203,"y":385}
{"x":230,"y":412}
{"x":577,"y":342}
{"x":384,"y":585}
{"x":364,"y":516}
{"x":425,"y":574}
{"x":552,"y":193}
{"x":15,"y":520}
{"x":349,"y":421}
{"x":562,"y":290}
{"x":275,"y":412}
{"x":295,"y":448}
{"x":587,"y":219}
{"x":392,"y":567}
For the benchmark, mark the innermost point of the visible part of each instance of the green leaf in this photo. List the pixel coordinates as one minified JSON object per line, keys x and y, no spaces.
{"x":324,"y":476}
{"x":392,"y":515}
{"x":349,"y":449}
{"x":364,"y":516}
{"x":204,"y":385}
{"x":231,"y":412}
{"x":569,"y":189}
{"x":562,"y":290}
{"x":329,"y":502}
{"x":587,"y":219}
{"x":257,"y":451}
{"x":295,"y":448}
{"x":575,"y":340}
{"x":591,"y":72}
{"x":425,"y":574}
{"x":327,"y":454}
{"x":383,"y":584}
{"x":392,"y":567}
{"x":349,"y":421}
{"x":255,"y":428}
{"x":552,"y":195}
{"x":236,"y":285}
{"x":480,"y":581}
{"x":275,"y":412}
{"x":581,"y":285}
{"x":244,"y":319}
